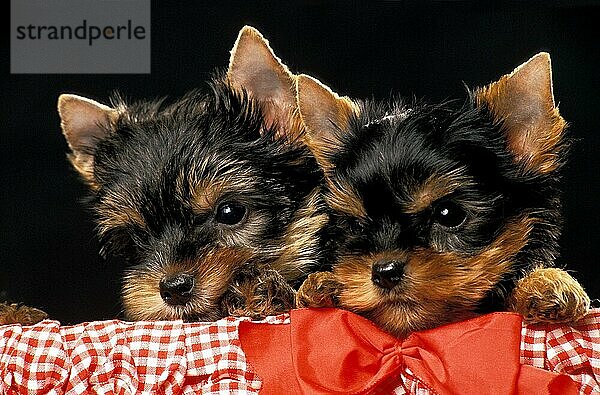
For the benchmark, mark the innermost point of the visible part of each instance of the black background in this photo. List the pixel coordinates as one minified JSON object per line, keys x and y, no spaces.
{"x":48,"y":250}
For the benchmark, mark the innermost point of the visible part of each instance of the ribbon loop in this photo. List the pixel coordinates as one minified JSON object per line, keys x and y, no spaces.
{"x":330,"y":351}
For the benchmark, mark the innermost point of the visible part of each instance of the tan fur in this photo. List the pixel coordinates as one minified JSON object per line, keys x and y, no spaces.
{"x":254,"y":68}
{"x":206,"y":194}
{"x":325,"y":115}
{"x":19,"y":314}
{"x":342,"y":198}
{"x":118,"y":212}
{"x":262,"y":289}
{"x":434,"y":188}
{"x":82,"y":121}
{"x":549,"y":295}
{"x":83,"y":164}
{"x":258,"y":292}
{"x":523,"y":103}
{"x":438,"y":287}
{"x":300,"y":245}
{"x":213,"y":274}
{"x":320,"y":289}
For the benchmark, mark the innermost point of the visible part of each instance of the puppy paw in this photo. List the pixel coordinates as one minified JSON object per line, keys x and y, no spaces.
{"x":258,"y":293}
{"x":549,"y":295}
{"x":18,"y":314}
{"x":320,"y":289}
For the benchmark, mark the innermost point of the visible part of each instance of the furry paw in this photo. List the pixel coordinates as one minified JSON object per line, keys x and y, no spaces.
{"x":549,"y":295}
{"x":18,"y":314}
{"x":258,"y":293}
{"x":318,"y":290}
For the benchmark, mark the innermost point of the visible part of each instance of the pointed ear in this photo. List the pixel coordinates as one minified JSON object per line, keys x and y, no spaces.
{"x":325,"y":115}
{"x":253,"y":67}
{"x":523,"y":103}
{"x":84,"y":122}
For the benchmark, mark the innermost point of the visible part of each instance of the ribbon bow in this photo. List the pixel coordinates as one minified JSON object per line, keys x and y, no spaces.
{"x":331,"y":351}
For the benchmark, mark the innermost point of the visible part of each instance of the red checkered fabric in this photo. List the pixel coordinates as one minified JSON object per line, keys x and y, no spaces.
{"x":115,"y":357}
{"x":572,"y":350}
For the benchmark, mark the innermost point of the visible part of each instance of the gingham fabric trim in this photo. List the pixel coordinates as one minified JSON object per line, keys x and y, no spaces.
{"x":574,"y":350}
{"x":115,"y":357}
{"x":409,"y":384}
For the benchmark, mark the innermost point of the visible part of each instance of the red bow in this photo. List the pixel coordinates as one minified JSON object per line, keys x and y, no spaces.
{"x":329,"y":351}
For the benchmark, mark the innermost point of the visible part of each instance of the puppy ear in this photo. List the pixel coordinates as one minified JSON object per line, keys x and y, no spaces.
{"x":253,"y":67}
{"x":84,"y":123}
{"x":523,"y":103}
{"x":325,"y":115}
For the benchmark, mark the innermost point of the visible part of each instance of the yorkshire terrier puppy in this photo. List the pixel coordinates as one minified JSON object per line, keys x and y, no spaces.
{"x":213,"y":198}
{"x":441,"y":211}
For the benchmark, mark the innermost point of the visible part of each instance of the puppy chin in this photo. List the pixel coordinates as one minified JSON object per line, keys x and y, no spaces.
{"x":161,"y":311}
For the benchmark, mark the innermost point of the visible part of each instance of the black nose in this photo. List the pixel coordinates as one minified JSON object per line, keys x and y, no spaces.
{"x":177,"y":289}
{"x":387,"y":274}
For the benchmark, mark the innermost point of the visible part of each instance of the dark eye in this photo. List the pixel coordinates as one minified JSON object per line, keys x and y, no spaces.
{"x":449,"y":214}
{"x":230,"y":213}
{"x":355,"y":225}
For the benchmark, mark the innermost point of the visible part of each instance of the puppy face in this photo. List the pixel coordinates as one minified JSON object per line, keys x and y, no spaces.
{"x":192,"y":191}
{"x":438,"y":208}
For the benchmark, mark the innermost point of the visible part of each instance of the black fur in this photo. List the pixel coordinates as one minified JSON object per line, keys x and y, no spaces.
{"x":391,"y":147}
{"x":217,"y":135}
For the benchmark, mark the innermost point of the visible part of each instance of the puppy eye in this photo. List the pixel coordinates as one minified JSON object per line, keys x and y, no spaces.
{"x":230,"y":213}
{"x":355,"y":225}
{"x":449,"y":214}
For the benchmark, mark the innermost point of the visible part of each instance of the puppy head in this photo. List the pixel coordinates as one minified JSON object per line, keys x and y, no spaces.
{"x":191,"y":191}
{"x":438,"y":208}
